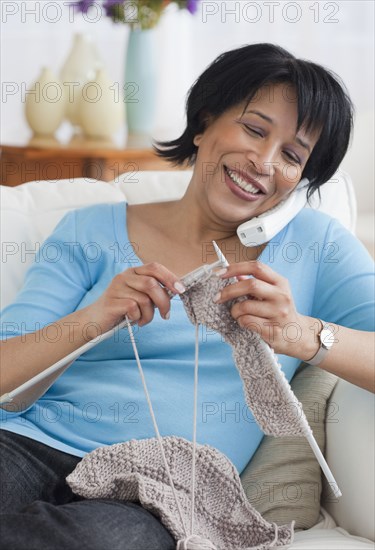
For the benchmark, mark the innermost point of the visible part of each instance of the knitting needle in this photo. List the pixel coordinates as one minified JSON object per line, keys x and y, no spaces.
{"x":323,"y":464}
{"x":220,"y":255}
{"x":63,"y":363}
{"x":309,"y":436}
{"x":200,"y":273}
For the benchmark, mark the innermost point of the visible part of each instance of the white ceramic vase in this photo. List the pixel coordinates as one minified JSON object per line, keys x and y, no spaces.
{"x":45,"y":104}
{"x":80,"y":67}
{"x":101,"y":108}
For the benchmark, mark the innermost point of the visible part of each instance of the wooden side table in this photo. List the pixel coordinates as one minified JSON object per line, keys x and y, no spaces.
{"x":51,"y":160}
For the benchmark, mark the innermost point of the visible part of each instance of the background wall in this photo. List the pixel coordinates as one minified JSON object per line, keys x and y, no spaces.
{"x":339,"y":35}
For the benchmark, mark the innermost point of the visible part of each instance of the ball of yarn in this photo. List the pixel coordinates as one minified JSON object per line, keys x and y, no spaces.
{"x":195,"y":542}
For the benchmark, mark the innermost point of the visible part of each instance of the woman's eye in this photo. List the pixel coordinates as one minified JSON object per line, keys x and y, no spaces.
{"x":292,"y":157}
{"x":253,"y":130}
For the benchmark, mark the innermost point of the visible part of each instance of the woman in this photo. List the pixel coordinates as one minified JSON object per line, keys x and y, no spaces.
{"x":258,"y":120}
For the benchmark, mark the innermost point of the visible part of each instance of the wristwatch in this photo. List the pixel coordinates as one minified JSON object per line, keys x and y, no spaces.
{"x":326,"y":338}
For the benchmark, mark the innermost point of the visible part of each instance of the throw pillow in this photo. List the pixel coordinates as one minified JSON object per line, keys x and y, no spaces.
{"x":283,"y":480}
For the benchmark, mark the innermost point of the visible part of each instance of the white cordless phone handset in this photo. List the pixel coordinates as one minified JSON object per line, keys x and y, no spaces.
{"x":261,"y":229}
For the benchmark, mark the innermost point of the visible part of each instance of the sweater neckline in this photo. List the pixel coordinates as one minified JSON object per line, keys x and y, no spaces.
{"x":268,"y":256}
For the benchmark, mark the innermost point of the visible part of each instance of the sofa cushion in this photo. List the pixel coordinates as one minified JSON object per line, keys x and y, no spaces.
{"x":329,"y":539}
{"x":283,"y":479}
{"x":350,"y":447}
{"x":30,"y":212}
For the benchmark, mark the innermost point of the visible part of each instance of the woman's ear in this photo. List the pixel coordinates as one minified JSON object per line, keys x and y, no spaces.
{"x":197,"y":139}
{"x":206,"y":119}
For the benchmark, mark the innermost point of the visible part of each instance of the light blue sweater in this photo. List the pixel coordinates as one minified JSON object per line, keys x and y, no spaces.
{"x":99,"y":400}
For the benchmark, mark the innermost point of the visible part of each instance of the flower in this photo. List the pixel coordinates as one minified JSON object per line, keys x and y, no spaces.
{"x":192,"y":6}
{"x":142,"y":14}
{"x":83,"y":5}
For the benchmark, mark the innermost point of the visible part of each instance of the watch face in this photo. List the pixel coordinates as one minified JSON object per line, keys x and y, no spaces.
{"x":327,"y":338}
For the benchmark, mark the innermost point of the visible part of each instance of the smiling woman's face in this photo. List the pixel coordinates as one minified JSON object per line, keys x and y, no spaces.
{"x":249,"y":162}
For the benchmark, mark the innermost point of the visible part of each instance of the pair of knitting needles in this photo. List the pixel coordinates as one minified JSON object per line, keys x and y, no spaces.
{"x":202,"y":273}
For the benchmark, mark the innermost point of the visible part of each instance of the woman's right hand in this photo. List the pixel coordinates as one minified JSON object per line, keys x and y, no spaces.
{"x":135,"y":292}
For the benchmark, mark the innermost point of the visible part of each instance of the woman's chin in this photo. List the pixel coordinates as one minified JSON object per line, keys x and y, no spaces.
{"x":233,"y":216}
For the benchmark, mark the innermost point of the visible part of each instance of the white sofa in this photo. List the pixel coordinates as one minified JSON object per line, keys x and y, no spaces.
{"x":29,"y":213}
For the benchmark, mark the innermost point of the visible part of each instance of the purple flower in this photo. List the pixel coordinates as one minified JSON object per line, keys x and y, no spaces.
{"x":110,"y":4}
{"x":192,"y":5}
{"x":114,"y":9}
{"x":83,"y":5}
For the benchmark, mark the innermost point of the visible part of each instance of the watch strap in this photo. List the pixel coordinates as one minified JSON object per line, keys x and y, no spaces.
{"x":323,"y":350}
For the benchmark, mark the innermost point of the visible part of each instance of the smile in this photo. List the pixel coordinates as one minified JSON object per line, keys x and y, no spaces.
{"x":241,"y":187}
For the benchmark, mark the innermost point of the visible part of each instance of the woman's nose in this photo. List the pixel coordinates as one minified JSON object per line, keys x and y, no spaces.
{"x":264,"y":158}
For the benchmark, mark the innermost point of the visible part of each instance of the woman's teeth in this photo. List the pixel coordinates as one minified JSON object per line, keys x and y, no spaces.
{"x":242,"y":183}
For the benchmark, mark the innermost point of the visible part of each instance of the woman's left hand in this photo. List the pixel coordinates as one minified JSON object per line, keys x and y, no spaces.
{"x":269,"y":309}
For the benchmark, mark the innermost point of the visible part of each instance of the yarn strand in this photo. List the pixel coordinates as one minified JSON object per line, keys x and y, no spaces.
{"x":196,"y":364}
{"x":132,"y":339}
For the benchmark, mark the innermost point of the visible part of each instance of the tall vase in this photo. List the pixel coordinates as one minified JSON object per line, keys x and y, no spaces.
{"x":140,"y":83}
{"x":79,"y":68}
{"x":101,"y":118}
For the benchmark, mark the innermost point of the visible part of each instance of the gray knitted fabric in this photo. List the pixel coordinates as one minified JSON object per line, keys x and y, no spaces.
{"x":267,"y":392}
{"x":134,"y":470}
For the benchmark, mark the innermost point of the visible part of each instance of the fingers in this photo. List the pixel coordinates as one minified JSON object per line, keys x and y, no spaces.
{"x":263,"y":304}
{"x":261,"y":309}
{"x":162,"y":275}
{"x":253,"y":323}
{"x":128,"y":307}
{"x":149,"y":293}
{"x":258,"y":269}
{"x":267,"y":304}
{"x":247,"y":287}
{"x":140,"y":308}
{"x":261,"y":283}
{"x":143,"y":286}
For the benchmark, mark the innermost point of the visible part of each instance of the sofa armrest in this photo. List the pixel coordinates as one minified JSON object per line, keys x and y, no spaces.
{"x":350,"y":454}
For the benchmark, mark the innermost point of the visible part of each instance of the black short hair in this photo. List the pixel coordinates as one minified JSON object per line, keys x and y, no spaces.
{"x":236,"y":75}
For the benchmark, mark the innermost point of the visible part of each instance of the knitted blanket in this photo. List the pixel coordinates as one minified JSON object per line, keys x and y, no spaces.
{"x":134,"y":470}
